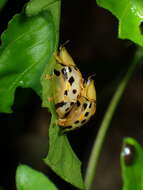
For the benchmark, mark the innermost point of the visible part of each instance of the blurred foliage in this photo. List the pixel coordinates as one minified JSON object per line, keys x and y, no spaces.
{"x":2,"y":3}
{"x":30,"y":179}
{"x":132,"y":164}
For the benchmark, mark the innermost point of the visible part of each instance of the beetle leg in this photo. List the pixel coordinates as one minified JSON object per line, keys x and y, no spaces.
{"x":57,"y":57}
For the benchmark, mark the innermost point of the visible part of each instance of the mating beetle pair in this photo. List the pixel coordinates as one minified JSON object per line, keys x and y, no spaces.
{"x":74,"y":97}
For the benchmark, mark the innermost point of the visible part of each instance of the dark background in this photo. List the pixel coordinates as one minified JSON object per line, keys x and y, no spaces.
{"x":94,"y":45}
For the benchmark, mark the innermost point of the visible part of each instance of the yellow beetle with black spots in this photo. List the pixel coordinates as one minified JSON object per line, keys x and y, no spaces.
{"x":74,"y":97}
{"x":82,"y":111}
{"x":67,"y":81}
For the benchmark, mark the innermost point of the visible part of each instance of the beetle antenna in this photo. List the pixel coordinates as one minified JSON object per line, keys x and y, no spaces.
{"x":65,"y":43}
{"x":92,"y":76}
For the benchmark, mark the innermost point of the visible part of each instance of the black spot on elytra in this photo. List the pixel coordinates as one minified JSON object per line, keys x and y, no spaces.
{"x":86,"y":114}
{"x":74,"y":91}
{"x":85,"y":106}
{"x":67,"y":113}
{"x":70,"y":70}
{"x":57,"y":73}
{"x":71,"y":80}
{"x":66,"y":93}
{"x":67,"y":109}
{"x":64,"y":72}
{"x":76,"y":122}
{"x":60,"y":104}
{"x":72,"y":103}
{"x":90,"y":105}
{"x":78,"y":103}
{"x":83,"y":121}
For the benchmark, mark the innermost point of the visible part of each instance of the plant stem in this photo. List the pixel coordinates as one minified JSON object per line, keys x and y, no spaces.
{"x":97,"y":146}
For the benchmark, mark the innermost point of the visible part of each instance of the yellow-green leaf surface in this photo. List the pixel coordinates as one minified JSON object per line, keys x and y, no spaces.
{"x":132,"y":165}
{"x":30,"y":179}
{"x":61,"y":157}
{"x":130,"y":16}
{"x":27,"y":46}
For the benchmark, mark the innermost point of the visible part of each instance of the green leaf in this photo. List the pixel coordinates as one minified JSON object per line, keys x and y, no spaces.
{"x":34,"y":7}
{"x":30,"y":179}
{"x":132,"y":165}
{"x":27,"y":46}
{"x":61,"y":157}
{"x":130,"y":16}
